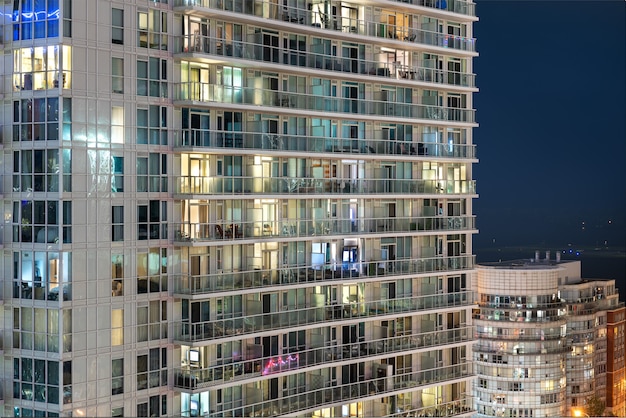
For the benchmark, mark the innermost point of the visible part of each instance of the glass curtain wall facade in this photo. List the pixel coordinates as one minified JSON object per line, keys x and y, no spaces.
{"x":238,"y":208}
{"x":549,"y":342}
{"x":522,"y":344}
{"x":596,"y":331}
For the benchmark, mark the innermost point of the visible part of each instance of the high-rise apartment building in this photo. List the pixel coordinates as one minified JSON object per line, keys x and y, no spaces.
{"x":237,"y":207}
{"x":595,"y":330}
{"x":549,"y":342}
{"x":522,"y":347}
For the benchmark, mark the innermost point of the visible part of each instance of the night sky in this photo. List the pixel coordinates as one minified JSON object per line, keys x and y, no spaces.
{"x":552,"y":115}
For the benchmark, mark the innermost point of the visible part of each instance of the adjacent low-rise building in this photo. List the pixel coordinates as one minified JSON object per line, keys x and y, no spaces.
{"x":548,"y":340}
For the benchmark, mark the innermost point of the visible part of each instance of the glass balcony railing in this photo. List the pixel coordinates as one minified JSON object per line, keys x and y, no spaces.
{"x":251,"y":368}
{"x":251,"y":324}
{"x":284,"y":276}
{"x":213,"y":93}
{"x":257,"y":186}
{"x":316,"y":397}
{"x":221,"y":140}
{"x":461,"y":406}
{"x":311,"y":17}
{"x":489,"y":347}
{"x":198,"y":44}
{"x":315,"y":227}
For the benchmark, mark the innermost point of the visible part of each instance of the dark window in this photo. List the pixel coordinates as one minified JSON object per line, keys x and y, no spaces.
{"x":117,"y":26}
{"x":117,"y":376}
{"x":117,"y":231}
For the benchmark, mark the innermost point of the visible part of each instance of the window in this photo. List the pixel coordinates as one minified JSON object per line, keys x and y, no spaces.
{"x":157,"y":405}
{"x":152,"y":173}
{"x":229,"y":307}
{"x":117,"y":124}
{"x":36,"y":170}
{"x":117,"y":75}
{"x":67,"y":222}
{"x":36,"y":119}
{"x":36,"y":380}
{"x":152,"y":321}
{"x":152,"y":370}
{"x":152,"y":220}
{"x":117,"y":412}
{"x":38,"y":20}
{"x":117,"y":275}
{"x":152,"y":29}
{"x":117,"y":231}
{"x":117,"y":327}
{"x":152,"y":125}
{"x":39,"y":68}
{"x":550,"y":398}
{"x":482,"y":383}
{"x":152,"y":271}
{"x":152,"y":77}
{"x":44,"y":275}
{"x":36,"y":221}
{"x":117,"y":174}
{"x":294,"y":341}
{"x":67,"y":18}
{"x":142,"y":409}
{"x":117,"y":26}
{"x":67,"y":123}
{"x":36,"y":329}
{"x":117,"y":376}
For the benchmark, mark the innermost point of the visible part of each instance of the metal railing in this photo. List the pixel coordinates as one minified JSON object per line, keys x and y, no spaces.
{"x":215,"y":93}
{"x":319,"y":19}
{"x":461,"y":406}
{"x":206,"y":138}
{"x":197,"y":378}
{"x":316,"y":397}
{"x":250,"y":50}
{"x":285,"y":276}
{"x":256,"y":186}
{"x":200,"y":231}
{"x":251,"y":324}
{"x":223,"y":282}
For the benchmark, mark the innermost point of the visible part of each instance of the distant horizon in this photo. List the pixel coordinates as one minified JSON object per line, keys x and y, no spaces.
{"x":596,"y":263}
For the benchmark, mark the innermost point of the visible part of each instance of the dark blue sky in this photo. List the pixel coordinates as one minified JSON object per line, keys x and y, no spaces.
{"x":552,"y":115}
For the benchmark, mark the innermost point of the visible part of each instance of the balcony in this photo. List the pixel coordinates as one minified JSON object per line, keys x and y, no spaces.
{"x":427,"y":75}
{"x":191,"y":93}
{"x":462,"y":406}
{"x":271,"y":186}
{"x":316,"y":397}
{"x":288,"y":228}
{"x":252,"y":368}
{"x":289,"y":276}
{"x":221,"y":141}
{"x":268,"y":10}
{"x":187,"y":332}
{"x":550,"y":348}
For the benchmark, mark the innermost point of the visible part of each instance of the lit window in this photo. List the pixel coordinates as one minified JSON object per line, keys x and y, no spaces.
{"x":117,"y":124}
{"x":152,"y":29}
{"x":117,"y":327}
{"x":152,"y":271}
